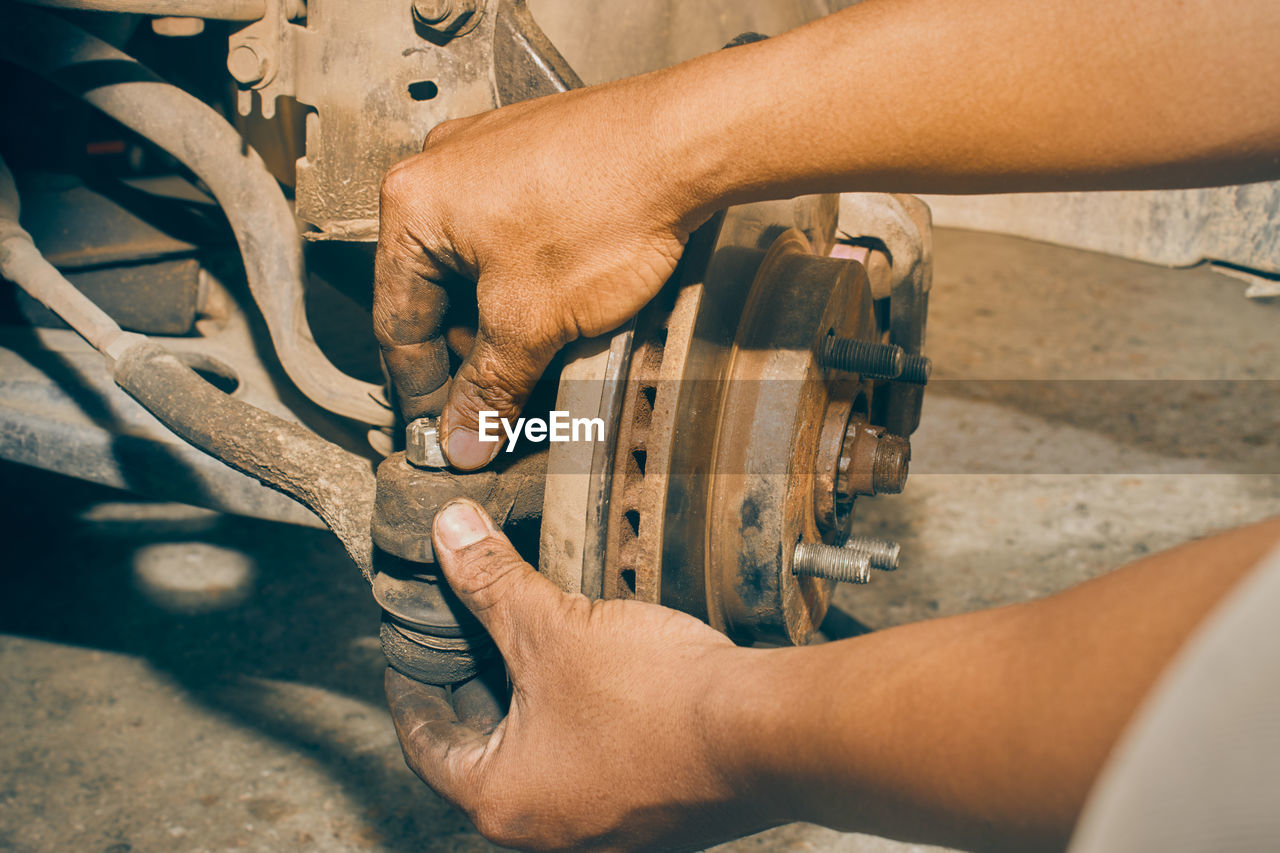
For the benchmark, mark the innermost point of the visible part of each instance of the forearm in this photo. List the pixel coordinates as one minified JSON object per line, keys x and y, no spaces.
{"x":979,"y":730}
{"x":989,"y":96}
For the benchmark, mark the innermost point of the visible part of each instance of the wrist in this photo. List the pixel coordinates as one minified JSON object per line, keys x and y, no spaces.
{"x":751,"y":735}
{"x":743,"y":124}
{"x":694,"y":154}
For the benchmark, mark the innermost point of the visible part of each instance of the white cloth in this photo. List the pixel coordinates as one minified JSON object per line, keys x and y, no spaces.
{"x":1198,"y":770}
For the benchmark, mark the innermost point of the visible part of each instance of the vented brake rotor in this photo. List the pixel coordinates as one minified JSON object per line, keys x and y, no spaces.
{"x":726,"y":432}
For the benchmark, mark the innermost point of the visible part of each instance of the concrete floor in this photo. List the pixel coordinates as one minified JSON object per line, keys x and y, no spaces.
{"x":174,"y":679}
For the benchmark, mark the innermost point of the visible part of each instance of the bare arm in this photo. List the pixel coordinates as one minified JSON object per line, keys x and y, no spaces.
{"x":634,"y":726}
{"x":997,"y":96}
{"x":570,"y":212}
{"x":987,"y":730}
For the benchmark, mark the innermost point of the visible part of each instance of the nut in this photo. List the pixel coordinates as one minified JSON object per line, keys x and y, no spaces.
{"x":422,"y":444}
{"x":246,"y":65}
{"x":872,"y":461}
{"x":448,"y":18}
{"x":890,"y":463}
{"x":432,"y":11}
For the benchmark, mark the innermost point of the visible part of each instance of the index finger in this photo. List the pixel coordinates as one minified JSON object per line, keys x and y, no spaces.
{"x":441,"y":750}
{"x":409,"y":301}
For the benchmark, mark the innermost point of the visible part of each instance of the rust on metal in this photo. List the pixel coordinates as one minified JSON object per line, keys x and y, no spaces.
{"x":409,"y":497}
{"x":776,"y":397}
{"x":733,"y":433}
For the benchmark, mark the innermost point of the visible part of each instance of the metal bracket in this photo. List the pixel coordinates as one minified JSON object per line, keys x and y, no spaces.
{"x":379,"y":80}
{"x":901,"y":224}
{"x":261,"y":57}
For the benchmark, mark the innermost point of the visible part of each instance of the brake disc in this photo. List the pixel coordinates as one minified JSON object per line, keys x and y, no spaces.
{"x":726,"y":435}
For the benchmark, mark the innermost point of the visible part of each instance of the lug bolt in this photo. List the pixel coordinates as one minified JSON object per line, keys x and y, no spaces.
{"x":816,"y":560}
{"x":246,"y":66}
{"x":874,"y":360}
{"x":915,"y":369}
{"x":422,"y":444}
{"x":882,"y":554}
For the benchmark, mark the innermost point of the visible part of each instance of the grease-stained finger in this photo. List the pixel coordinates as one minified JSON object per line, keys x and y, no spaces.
{"x":441,"y":750}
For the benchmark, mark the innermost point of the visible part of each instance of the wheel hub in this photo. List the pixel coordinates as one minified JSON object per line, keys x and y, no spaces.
{"x":732,"y":441}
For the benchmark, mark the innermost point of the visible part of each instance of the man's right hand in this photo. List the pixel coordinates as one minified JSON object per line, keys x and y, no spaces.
{"x":562,"y":214}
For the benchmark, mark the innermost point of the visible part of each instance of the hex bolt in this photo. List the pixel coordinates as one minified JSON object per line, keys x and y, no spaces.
{"x":432,"y":11}
{"x":866,"y":358}
{"x":889,"y":464}
{"x":246,"y":65}
{"x":422,"y":444}
{"x":816,"y":560}
{"x":882,"y":554}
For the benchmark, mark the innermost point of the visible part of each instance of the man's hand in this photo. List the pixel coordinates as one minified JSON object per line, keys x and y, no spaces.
{"x":569,"y":212}
{"x":634,"y":726}
{"x":565,"y":222}
{"x":616,"y":735}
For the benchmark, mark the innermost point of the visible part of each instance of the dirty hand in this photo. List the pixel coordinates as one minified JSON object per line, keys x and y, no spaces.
{"x":566,"y":226}
{"x":569,"y":212}
{"x":617,"y":733}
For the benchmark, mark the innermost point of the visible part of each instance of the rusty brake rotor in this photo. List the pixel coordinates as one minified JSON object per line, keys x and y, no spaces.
{"x":730,"y":441}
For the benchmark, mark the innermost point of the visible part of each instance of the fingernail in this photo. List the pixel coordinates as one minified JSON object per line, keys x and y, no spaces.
{"x":466,"y":451}
{"x":459,"y":525}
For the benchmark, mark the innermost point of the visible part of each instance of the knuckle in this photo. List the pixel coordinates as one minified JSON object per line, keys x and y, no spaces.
{"x":500,"y":398}
{"x":384,"y":327}
{"x":491,"y":567}
{"x":441,"y":132}
{"x":397,"y":184}
{"x":411,"y":193}
{"x":486,"y":387}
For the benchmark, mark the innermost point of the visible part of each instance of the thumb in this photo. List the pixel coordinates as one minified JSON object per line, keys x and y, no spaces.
{"x":495,"y":380}
{"x":505,"y":593}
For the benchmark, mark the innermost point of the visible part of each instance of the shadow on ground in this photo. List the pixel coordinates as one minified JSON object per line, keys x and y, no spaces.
{"x":306,"y":618}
